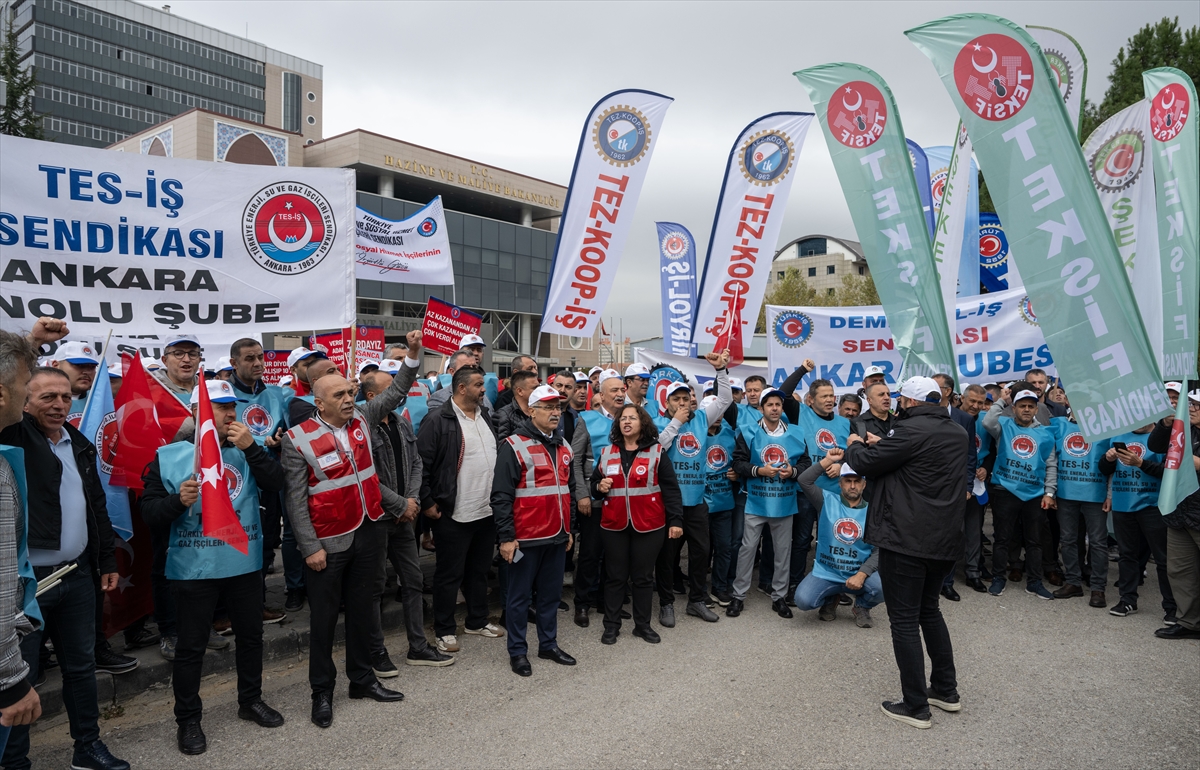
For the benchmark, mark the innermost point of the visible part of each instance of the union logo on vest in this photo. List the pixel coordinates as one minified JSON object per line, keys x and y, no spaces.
{"x":687,"y":444}
{"x":1023,"y":446}
{"x":258,"y":420}
{"x":847,"y":531}
{"x":774,"y":454}
{"x":233,"y":479}
{"x":717,"y":458}
{"x":1076,"y":445}
{"x":825,"y":440}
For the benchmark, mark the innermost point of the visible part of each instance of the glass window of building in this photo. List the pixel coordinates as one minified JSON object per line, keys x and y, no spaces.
{"x":291,"y":102}
{"x":812,"y":272}
{"x":831,"y":270}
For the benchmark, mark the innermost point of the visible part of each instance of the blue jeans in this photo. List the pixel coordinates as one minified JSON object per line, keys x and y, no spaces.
{"x":69,"y":610}
{"x":813,"y":591}
{"x":721,"y":538}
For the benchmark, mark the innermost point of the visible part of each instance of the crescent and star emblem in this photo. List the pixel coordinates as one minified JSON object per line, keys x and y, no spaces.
{"x":282,"y":245}
{"x":854,"y":106}
{"x":989,"y":66}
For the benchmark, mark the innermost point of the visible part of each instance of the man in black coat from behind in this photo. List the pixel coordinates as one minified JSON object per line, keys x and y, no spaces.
{"x":915,"y":519}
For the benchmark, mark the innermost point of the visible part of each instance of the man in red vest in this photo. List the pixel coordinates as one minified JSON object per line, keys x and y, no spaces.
{"x":335,"y":505}
{"x":531,"y":500}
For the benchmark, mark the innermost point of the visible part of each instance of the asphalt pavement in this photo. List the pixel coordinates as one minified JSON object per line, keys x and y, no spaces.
{"x":1043,"y":684}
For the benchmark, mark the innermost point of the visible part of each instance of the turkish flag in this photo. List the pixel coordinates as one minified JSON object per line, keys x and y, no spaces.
{"x":217,"y":517}
{"x":171,"y":411}
{"x":139,"y":434}
{"x":730,"y":336}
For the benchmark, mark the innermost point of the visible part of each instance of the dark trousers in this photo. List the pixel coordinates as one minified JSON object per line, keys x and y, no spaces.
{"x":695,"y":532}
{"x":401,"y":549}
{"x":973,"y":537}
{"x":629,"y":557}
{"x":911,"y":585}
{"x":588,"y":588}
{"x":720,"y":532}
{"x":270,"y":511}
{"x":1007,"y":509}
{"x":464,"y":556}
{"x":293,"y":562}
{"x":348,"y":578}
{"x":164,"y":602}
{"x":1141,"y":534}
{"x":540,"y":573}
{"x":802,"y":537}
{"x":197,"y":599}
{"x":1077,"y":519}
{"x":69,"y":610}
{"x":737,"y":528}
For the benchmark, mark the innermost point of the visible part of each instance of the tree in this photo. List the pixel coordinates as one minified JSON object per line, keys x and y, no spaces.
{"x":857,"y":290}
{"x":17,"y":117}
{"x":1154,"y":45}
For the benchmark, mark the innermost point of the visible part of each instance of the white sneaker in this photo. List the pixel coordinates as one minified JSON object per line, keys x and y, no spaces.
{"x":491,"y":631}
{"x":448,"y":643}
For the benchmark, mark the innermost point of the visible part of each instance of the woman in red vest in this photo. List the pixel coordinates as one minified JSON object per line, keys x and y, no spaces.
{"x":641,"y":498}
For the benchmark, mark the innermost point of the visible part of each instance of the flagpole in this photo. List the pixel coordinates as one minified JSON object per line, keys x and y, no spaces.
{"x":92,"y":389}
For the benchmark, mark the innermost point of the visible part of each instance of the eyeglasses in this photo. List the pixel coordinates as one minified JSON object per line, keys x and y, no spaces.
{"x":181,"y":354}
{"x":549,"y":408}
{"x":1193,"y":406}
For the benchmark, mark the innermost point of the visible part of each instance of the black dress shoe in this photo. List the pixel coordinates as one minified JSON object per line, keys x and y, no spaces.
{"x":734,"y":609}
{"x":375,"y":691}
{"x":557,"y":655}
{"x":976,"y":584}
{"x":781,"y":608}
{"x":190,"y":738}
{"x":520,"y":665}
{"x":322,"y":709}
{"x":581,"y":617}
{"x":950,"y":593}
{"x":1174,"y":632}
{"x":647,"y":633}
{"x":261,"y":714}
{"x":610,"y":635}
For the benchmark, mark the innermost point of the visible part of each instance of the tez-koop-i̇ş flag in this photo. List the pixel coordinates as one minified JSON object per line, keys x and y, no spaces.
{"x":1009,"y":101}
{"x":614,"y":154}
{"x":217,"y":517}
{"x":99,"y":425}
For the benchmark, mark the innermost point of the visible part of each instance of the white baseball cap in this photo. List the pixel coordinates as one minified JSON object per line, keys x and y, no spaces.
{"x":848,"y":471}
{"x":920,"y":388}
{"x":1194,"y":396}
{"x":762,"y":397}
{"x":608,"y":374}
{"x":301,"y":353}
{"x":709,"y":386}
{"x":638,"y":370}
{"x":545,"y":393}
{"x":581,"y":377}
{"x":365,"y":365}
{"x":735,"y":383}
{"x":704,"y":402}
{"x":115,"y":370}
{"x":76,"y":353}
{"x":1175,"y":387}
{"x":285,"y":380}
{"x":470,"y":339}
{"x":151,"y":363}
{"x":389,"y":366}
{"x":595,"y":370}
{"x":677,"y":386}
{"x":1025,"y":394}
{"x":219,"y":392}
{"x":179,"y":339}
{"x":871,"y":371}
{"x":224,"y":364}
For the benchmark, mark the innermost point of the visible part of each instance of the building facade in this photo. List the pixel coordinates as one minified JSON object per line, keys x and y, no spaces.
{"x":823,"y":261}
{"x":109,"y":69}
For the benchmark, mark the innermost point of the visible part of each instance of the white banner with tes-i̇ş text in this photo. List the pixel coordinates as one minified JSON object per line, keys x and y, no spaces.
{"x":141,"y":244}
{"x":412,"y":250}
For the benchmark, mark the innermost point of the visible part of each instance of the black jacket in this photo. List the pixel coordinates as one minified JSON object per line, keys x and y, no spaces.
{"x":440,"y":445}
{"x":300,"y":410}
{"x":504,"y":399}
{"x":395,"y":499}
{"x":867,"y":422}
{"x":43,"y":475}
{"x":1187,"y":514}
{"x":508,"y":475}
{"x":919,"y":473}
{"x":508,"y":419}
{"x":160,"y":508}
{"x":968,"y":424}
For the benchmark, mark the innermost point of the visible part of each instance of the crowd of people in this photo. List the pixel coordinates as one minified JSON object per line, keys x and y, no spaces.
{"x":580,"y":481}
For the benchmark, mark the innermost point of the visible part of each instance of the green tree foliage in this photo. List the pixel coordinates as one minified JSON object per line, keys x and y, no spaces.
{"x":794,"y":291}
{"x":17,"y":117}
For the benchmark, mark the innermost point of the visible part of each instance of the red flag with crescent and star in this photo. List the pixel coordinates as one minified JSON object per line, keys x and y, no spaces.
{"x":217,"y":517}
{"x":730,"y":336}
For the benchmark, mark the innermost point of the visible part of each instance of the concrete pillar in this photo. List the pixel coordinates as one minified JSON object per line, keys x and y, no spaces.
{"x":387,"y":187}
{"x":526,"y":341}
{"x":526,"y":216}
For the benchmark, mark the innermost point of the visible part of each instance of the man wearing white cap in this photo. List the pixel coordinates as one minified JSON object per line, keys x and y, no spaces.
{"x":637,"y":382}
{"x":594,"y":375}
{"x":473,"y":344}
{"x":1024,"y":485}
{"x":79,"y":361}
{"x":532,"y":494}
{"x":181,"y":364}
{"x":844,"y":562}
{"x":224,"y":369}
{"x":682,"y":435}
{"x":586,"y":446}
{"x":204,"y":570}
{"x":872,"y":375}
{"x":915,"y":521}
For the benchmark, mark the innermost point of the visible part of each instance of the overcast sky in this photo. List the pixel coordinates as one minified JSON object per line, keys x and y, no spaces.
{"x":510,"y":85}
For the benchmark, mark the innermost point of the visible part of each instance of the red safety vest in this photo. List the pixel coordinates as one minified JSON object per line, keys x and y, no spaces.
{"x":635,"y":498}
{"x":341,"y":487}
{"x":542,"y":503}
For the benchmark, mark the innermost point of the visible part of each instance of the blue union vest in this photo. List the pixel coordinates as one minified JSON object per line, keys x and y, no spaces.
{"x":687,"y":455}
{"x":598,"y":427}
{"x":1021,"y":455}
{"x":983,"y":439}
{"x":718,"y":459}
{"x":771,"y":497}
{"x":1079,"y":476}
{"x":821,"y":436}
{"x":1133,"y":490}
{"x":264,"y":412}
{"x":192,"y":556}
{"x":840,"y":547}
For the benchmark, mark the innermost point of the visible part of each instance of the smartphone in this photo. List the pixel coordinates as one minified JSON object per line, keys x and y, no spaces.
{"x":517,"y":556}
{"x":1120,"y":445}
